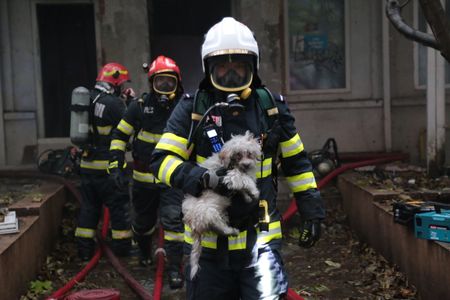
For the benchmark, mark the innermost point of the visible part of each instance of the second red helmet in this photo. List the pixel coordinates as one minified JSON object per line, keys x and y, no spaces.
{"x":163,"y":64}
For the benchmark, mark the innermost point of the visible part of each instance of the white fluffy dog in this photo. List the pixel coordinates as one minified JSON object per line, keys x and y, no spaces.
{"x":209,"y":211}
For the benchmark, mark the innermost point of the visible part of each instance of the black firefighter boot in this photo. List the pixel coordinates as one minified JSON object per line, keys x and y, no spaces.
{"x":145,"y":249}
{"x":174,"y":274}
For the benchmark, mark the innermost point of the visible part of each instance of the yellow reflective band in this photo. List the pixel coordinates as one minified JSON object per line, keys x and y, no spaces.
{"x":173,"y":143}
{"x":110,"y":73}
{"x":264,"y":168}
{"x":199,"y":159}
{"x":274,"y":232}
{"x":104,"y":130}
{"x":87,"y":233}
{"x":209,"y":240}
{"x":121,"y":234}
{"x":113,"y":164}
{"x":145,"y":177}
{"x":196,"y":117}
{"x":168,"y":166}
{"x":291,"y":147}
{"x":238,"y":242}
{"x":125,"y":127}
{"x":95,"y":164}
{"x":173,"y":236}
{"x":149,"y":137}
{"x":118,"y":145}
{"x":302,"y":182}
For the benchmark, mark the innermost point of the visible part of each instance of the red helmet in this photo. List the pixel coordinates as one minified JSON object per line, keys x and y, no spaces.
{"x":163,"y":64}
{"x":113,"y":73}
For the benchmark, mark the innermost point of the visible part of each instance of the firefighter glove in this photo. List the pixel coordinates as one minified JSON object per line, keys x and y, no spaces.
{"x":213,"y":179}
{"x":309,"y":233}
{"x":118,"y":177}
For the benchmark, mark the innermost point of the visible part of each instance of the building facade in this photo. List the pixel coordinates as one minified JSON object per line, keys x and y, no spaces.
{"x":345,"y":72}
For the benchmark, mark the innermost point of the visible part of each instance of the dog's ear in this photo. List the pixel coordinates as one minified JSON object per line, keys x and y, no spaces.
{"x":249,"y":135}
{"x":224,"y":157}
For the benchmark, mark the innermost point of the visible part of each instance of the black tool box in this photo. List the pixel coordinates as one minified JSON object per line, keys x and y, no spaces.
{"x":404,"y":212}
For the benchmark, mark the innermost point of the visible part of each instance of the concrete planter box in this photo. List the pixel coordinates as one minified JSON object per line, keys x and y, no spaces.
{"x":426,"y":263}
{"x":23,"y":254}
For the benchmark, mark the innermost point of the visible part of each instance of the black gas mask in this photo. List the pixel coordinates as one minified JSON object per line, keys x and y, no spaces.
{"x":234,"y":108}
{"x":163,"y":101}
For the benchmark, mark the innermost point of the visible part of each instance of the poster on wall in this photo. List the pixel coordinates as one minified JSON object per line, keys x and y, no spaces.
{"x":316,"y":43}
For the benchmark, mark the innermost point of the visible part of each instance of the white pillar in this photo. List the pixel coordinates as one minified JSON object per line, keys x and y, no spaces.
{"x":435,"y":110}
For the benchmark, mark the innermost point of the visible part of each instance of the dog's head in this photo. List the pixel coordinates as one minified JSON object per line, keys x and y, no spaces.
{"x":241,"y":152}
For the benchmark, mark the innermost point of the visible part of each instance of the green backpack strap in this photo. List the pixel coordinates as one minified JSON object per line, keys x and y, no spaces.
{"x":201,"y":104}
{"x":268,"y":105}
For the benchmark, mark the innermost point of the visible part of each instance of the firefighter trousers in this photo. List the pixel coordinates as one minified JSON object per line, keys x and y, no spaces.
{"x":96,"y":191}
{"x":146,"y":201}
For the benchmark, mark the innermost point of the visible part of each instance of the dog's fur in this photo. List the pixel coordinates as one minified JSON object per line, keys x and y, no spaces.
{"x":209,"y":211}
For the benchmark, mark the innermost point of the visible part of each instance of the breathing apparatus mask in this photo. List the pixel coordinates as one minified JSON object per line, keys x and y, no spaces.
{"x":165,"y":86}
{"x":231,"y":75}
{"x":231,"y":72}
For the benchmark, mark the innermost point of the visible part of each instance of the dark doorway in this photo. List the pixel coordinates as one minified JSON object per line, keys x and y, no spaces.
{"x":68,"y":59}
{"x":177,"y":28}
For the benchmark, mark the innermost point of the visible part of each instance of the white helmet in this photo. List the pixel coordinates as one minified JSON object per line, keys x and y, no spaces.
{"x":229,"y":37}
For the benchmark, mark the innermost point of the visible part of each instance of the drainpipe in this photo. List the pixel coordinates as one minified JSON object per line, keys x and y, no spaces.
{"x":386,"y":80}
{"x":435,"y":111}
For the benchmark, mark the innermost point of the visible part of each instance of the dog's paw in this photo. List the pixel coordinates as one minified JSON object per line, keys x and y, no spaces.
{"x":234,"y":231}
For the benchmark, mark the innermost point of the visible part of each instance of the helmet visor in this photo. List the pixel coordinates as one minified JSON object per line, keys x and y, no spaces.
{"x":165,"y":83}
{"x":230,"y":74}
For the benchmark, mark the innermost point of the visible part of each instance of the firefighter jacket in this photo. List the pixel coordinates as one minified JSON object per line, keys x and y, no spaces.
{"x":174,"y":163}
{"x":105,"y":113}
{"x":145,"y":120}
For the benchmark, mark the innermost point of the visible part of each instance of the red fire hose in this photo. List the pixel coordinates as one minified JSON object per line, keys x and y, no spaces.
{"x":132,"y":283}
{"x":293,"y":206}
{"x":92,"y":263}
{"x":160,"y":266}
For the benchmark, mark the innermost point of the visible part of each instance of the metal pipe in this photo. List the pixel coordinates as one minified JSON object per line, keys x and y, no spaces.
{"x":393,"y":12}
{"x":386,"y":83}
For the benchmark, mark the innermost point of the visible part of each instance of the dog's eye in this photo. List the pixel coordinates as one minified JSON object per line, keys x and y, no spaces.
{"x":238,"y":156}
{"x":250,"y":155}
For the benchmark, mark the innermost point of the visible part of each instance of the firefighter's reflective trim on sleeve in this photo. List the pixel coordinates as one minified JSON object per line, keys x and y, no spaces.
{"x":292,"y":146}
{"x":87,"y":233}
{"x":121,"y":234}
{"x":209,"y":240}
{"x":168,"y":165}
{"x":145,"y":177}
{"x":104,"y":130}
{"x":149,"y":137}
{"x":118,"y":145}
{"x":173,"y":236}
{"x":173,"y":143}
{"x":301,"y":182}
{"x":274,"y":232}
{"x":95,"y":164}
{"x":199,"y":159}
{"x":264,"y":168}
{"x":125,"y":127}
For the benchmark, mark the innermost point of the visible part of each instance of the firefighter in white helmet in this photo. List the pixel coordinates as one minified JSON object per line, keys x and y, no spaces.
{"x":248,"y":266}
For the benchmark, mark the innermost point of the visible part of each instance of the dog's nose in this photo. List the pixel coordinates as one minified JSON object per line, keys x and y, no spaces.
{"x":245,"y":166}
